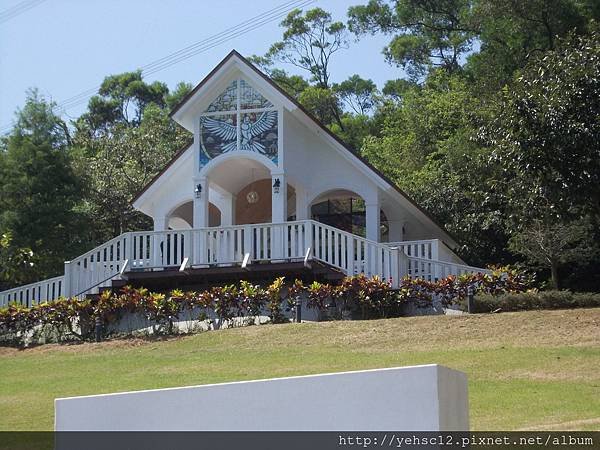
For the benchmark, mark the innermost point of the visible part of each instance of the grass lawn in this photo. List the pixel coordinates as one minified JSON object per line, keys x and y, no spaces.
{"x":535,"y":370}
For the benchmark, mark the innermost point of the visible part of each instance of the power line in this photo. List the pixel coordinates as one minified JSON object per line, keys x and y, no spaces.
{"x":201,"y":46}
{"x":193,"y":49}
{"x":18,"y":9}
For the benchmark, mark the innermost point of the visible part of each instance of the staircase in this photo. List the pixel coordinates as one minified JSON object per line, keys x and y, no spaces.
{"x":239,"y":245}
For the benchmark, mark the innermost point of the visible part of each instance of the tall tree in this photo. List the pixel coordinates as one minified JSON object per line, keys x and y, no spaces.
{"x":122,"y":99}
{"x":426,"y":145}
{"x":547,"y":133}
{"x":39,"y":191}
{"x":550,"y":245}
{"x":309,"y":41}
{"x":16,"y":264}
{"x":426,"y":33}
{"x":511,"y":32}
{"x":118,"y":156}
{"x":358,"y":94}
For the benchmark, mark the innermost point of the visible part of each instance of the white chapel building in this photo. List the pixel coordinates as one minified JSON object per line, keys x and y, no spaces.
{"x":263,"y":187}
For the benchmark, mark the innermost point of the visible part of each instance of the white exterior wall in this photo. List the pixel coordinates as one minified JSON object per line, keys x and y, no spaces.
{"x":311,"y":162}
{"x":418,"y":398}
{"x":309,"y":159}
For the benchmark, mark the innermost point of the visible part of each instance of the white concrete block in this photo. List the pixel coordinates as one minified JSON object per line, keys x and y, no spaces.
{"x":424,"y":398}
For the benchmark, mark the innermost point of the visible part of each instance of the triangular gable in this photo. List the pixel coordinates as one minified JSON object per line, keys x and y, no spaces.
{"x":273,"y":90}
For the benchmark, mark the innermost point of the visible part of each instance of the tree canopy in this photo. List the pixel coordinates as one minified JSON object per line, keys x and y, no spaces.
{"x":491,"y":124}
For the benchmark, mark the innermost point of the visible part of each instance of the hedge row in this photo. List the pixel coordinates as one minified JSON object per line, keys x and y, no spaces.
{"x":357,"y":296}
{"x":531,"y":300}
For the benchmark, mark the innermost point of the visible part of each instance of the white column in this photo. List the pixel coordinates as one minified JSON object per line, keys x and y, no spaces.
{"x":396,"y":230}
{"x":279,"y":198}
{"x":160,"y":223}
{"x":301,"y":204}
{"x":227,"y":209}
{"x":158,"y":241}
{"x":278,"y":214}
{"x":201,"y":203}
{"x":233,"y":205}
{"x":372,"y":220}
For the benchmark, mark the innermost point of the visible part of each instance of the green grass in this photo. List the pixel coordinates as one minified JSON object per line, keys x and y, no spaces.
{"x":526,"y":370}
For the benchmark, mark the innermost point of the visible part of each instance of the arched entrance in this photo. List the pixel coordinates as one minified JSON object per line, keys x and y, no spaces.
{"x":347,"y":211}
{"x":182,"y":217}
{"x":250,"y":189}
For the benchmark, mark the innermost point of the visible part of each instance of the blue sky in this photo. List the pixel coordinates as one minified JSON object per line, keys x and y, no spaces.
{"x":65,"y":47}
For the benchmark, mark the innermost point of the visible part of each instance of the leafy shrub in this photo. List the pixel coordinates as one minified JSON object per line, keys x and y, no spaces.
{"x":68,"y":319}
{"x":274,"y":291}
{"x":373,"y":297}
{"x":531,"y":300}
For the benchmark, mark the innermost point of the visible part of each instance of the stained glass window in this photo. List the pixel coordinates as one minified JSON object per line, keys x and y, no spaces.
{"x":218,"y":134}
{"x":250,"y":98}
{"x":227,"y":101}
{"x":252,"y":127}
{"x":258,"y":133}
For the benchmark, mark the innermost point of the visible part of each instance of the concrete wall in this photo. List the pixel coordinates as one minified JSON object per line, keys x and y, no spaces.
{"x":427,"y":398}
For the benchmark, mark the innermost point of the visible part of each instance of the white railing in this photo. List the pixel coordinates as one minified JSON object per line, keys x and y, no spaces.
{"x":353,"y":254}
{"x":432,"y":270}
{"x":34,"y":293}
{"x":428,"y":249}
{"x":227,"y":245}
{"x":95,"y":268}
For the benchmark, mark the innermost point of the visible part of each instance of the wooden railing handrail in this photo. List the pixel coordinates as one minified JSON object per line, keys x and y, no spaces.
{"x":88,"y":271}
{"x":31,"y":285}
{"x":449,"y":264}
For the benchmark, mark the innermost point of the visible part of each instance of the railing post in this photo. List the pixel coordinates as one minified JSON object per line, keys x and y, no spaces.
{"x":188,"y":247}
{"x":159,"y":255}
{"x":277,"y":252}
{"x":435,"y":256}
{"x":308,"y":236}
{"x":395,"y":267}
{"x":350,"y":259}
{"x":248,"y":241}
{"x":67,"y":280}
{"x":403,"y":265}
{"x":200,"y":250}
{"x":127,"y":247}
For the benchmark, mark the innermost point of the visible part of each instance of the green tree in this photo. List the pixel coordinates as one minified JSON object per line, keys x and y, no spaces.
{"x":15,"y":263}
{"x":426,"y":33}
{"x":124,"y":138}
{"x":547,"y":133}
{"x":512,"y":32}
{"x":550,"y":245}
{"x":39,"y":192}
{"x":358,"y":94}
{"x":117,"y":165}
{"x":309,"y":42}
{"x":427,"y":146}
{"x":122,"y":99}
{"x":177,"y":95}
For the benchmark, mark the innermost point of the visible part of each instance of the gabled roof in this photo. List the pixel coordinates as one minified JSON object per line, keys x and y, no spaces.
{"x":317,"y":122}
{"x":175,"y":157}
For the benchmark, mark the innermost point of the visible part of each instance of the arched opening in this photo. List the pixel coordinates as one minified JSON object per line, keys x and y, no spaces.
{"x":182,"y":217}
{"x":253,"y":203}
{"x":346,"y":210}
{"x":244,"y":183}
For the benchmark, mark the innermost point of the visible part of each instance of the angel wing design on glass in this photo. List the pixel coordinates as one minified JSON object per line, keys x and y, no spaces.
{"x":227,"y":132}
{"x":240,"y":118}
{"x":249,"y":131}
